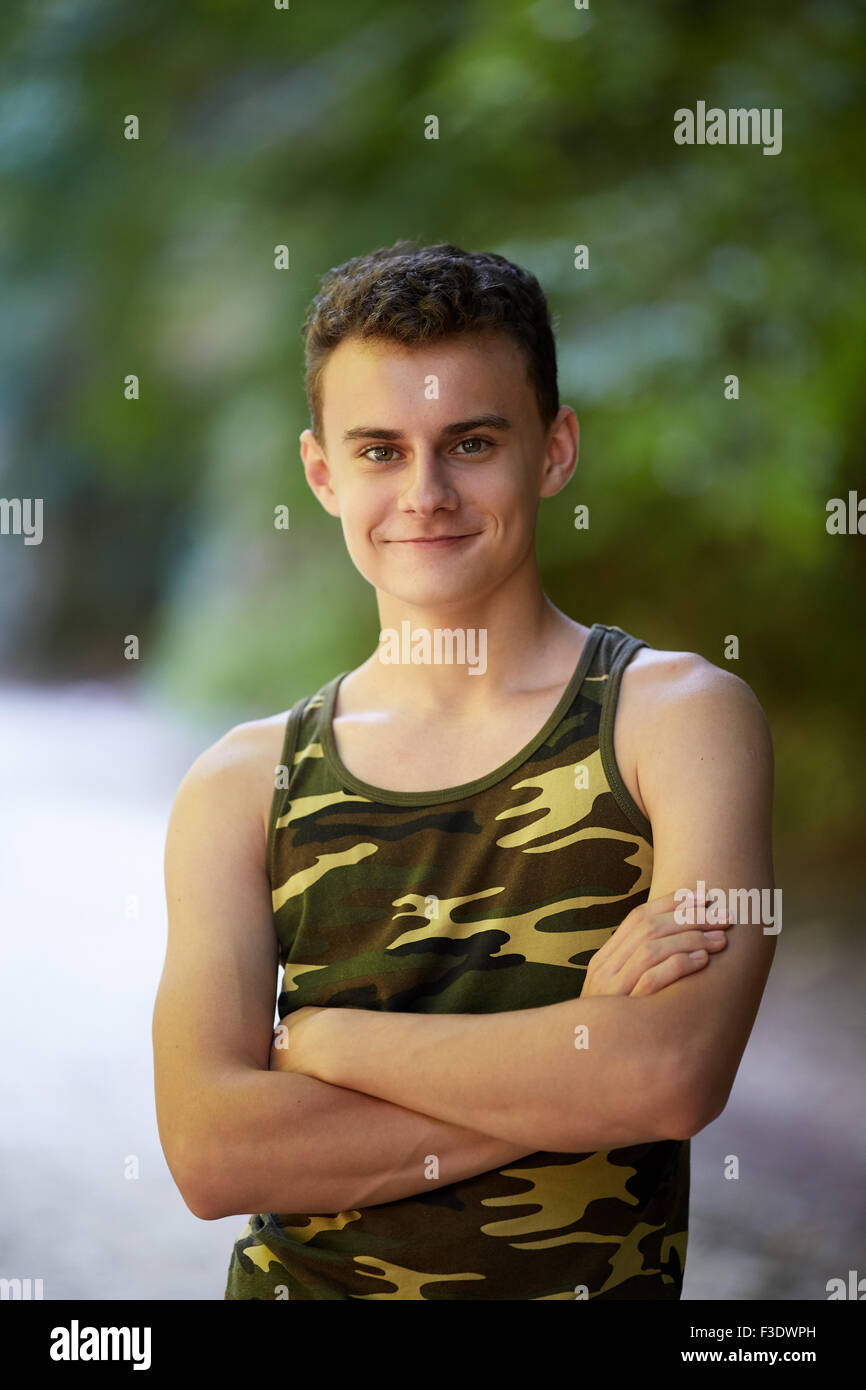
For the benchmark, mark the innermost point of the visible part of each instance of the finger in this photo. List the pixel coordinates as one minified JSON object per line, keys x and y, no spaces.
{"x":669,"y":909}
{"x":650,"y":922}
{"x":667,"y":923}
{"x":658,"y":948}
{"x":673,"y":902}
{"x":651,"y":953}
{"x":674,"y":968}
{"x":632,"y":938}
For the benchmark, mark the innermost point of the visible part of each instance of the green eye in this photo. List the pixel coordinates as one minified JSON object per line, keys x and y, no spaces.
{"x":475,"y":439}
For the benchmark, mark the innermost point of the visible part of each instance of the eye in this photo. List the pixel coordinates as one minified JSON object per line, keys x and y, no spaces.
{"x":366,"y":452}
{"x":476,"y":439}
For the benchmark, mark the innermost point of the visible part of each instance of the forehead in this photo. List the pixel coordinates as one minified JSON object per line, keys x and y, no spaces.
{"x":478,"y":371}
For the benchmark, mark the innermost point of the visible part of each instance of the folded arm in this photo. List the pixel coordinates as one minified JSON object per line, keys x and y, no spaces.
{"x":571,"y":1077}
{"x":656,"y":1067}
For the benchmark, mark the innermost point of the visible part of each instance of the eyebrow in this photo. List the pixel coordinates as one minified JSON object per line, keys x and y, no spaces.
{"x":490,"y":422}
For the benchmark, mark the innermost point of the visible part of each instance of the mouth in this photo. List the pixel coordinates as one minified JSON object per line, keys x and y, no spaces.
{"x":435,"y":542}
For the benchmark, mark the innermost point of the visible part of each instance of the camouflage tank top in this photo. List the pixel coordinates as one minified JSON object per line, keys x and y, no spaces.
{"x":533,"y":867}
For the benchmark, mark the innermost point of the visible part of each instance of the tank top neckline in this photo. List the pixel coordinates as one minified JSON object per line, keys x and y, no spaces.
{"x":465,"y":789}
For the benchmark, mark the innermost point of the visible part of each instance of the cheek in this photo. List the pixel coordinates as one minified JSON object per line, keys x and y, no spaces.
{"x":364,"y":504}
{"x":357,"y":524}
{"x":514,"y":512}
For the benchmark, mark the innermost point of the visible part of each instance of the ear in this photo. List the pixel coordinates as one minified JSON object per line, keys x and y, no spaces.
{"x":561,"y":451}
{"x":317,"y":472}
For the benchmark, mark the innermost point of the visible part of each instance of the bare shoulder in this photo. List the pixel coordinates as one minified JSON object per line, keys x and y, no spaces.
{"x":243,"y":762}
{"x":664,"y":681}
{"x":674,"y":700}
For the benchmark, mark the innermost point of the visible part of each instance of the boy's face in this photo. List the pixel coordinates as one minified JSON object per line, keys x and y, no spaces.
{"x":409,"y":457}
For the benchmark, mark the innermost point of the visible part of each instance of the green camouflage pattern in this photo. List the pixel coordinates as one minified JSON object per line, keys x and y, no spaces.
{"x":532,"y":871}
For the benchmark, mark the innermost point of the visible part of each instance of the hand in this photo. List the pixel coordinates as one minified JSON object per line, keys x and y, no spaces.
{"x":291,"y":1046}
{"x":650,"y":949}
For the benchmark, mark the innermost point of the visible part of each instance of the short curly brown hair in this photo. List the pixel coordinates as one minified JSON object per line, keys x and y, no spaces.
{"x":421,"y":294}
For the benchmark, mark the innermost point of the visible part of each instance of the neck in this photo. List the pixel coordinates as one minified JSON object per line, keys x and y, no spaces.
{"x":472,"y":654}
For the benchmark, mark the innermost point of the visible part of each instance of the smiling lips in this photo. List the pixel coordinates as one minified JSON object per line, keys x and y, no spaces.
{"x":432,"y":540}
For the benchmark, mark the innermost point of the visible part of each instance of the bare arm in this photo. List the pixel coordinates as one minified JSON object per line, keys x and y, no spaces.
{"x":323,"y":1149}
{"x":654,"y":1067}
{"x":237,"y":1137}
{"x":579,"y":1076}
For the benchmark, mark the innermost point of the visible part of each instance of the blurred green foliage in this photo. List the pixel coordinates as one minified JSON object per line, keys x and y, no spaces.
{"x":306,"y":126}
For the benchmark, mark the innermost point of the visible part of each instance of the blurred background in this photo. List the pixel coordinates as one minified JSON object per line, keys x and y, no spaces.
{"x":305,"y":127}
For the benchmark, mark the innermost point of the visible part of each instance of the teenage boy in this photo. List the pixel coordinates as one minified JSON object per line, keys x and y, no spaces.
{"x":499,"y":1028}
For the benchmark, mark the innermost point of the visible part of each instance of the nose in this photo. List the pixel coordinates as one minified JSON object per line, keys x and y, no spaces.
{"x":426,"y":485}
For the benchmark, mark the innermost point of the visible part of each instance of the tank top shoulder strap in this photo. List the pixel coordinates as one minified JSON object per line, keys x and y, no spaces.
{"x":287,"y":758}
{"x":612,"y":655}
